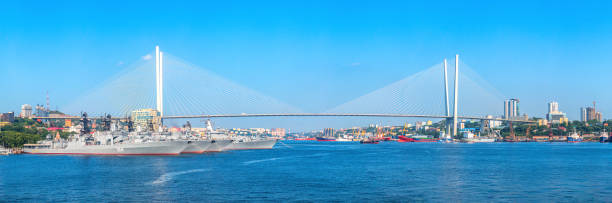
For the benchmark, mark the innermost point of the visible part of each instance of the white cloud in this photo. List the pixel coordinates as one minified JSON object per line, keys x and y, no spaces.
{"x":147,"y":57}
{"x":355,"y":64}
{"x":119,"y":63}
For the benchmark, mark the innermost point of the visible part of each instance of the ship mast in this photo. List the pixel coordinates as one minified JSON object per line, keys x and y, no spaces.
{"x":159,"y":81}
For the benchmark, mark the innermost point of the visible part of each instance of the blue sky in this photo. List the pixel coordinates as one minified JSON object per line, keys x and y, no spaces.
{"x":313,"y":54}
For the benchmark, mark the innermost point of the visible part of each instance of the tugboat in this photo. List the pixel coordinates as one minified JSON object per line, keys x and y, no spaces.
{"x":574,"y":137}
{"x":603,"y":136}
{"x":445,"y":138}
{"x":385,"y":139}
{"x":401,"y":138}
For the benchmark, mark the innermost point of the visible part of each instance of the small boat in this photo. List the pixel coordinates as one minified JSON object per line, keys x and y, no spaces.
{"x":4,"y":151}
{"x":479,"y":140}
{"x":369,"y":141}
{"x":343,"y":140}
{"x":603,"y":136}
{"x":445,"y":140}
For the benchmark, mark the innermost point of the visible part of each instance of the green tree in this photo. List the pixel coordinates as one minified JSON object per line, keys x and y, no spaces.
{"x":22,"y":131}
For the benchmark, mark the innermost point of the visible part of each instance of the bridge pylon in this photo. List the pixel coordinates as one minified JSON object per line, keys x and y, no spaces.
{"x":454,"y":118}
{"x":456,"y":95}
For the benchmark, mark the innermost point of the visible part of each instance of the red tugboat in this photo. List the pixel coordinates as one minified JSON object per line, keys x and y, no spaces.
{"x":402,"y":138}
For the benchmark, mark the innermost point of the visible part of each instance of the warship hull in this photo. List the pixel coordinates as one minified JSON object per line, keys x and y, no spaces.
{"x":147,"y":148}
{"x":253,"y":144}
{"x":218,"y":145}
{"x":197,"y":147}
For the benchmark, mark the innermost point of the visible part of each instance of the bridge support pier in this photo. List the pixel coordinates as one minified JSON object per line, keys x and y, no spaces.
{"x":448,"y":128}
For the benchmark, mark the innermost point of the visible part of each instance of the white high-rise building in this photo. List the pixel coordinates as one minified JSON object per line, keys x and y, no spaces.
{"x":26,"y":111}
{"x":506,"y":109}
{"x":583,"y":114}
{"x":511,"y":108}
{"x":554,"y":115}
{"x":553,"y":107}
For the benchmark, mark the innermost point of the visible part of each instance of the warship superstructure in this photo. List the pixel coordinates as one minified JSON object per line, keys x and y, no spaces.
{"x":106,"y":142}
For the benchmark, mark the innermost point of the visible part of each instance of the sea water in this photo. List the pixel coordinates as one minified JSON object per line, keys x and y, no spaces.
{"x":323,"y":171}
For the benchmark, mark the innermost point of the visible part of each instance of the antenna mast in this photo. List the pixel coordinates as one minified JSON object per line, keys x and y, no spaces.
{"x":48,"y":108}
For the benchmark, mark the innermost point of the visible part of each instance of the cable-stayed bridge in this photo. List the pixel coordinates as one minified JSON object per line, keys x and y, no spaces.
{"x":181,"y":90}
{"x":308,"y":115}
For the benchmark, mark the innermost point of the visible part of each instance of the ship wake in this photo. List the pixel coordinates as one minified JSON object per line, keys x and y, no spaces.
{"x":169,"y":176}
{"x":262,"y":160}
{"x":279,"y":158}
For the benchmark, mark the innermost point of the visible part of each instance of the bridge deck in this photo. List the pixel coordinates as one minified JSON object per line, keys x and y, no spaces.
{"x":340,"y":115}
{"x":309,"y":115}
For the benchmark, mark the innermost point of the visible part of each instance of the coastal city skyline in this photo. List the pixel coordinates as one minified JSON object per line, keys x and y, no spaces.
{"x":223,"y":50}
